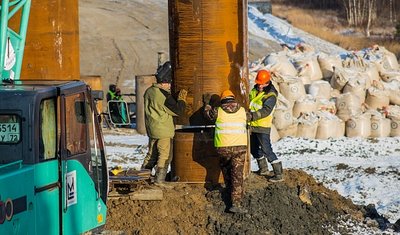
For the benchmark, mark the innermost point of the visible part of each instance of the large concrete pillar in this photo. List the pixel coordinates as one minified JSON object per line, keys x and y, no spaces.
{"x":142,"y":83}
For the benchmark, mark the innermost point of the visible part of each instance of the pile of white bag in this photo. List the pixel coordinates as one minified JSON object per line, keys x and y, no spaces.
{"x":328,"y":96}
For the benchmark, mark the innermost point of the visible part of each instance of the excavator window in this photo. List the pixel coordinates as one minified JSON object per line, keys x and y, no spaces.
{"x":10,"y":129}
{"x":76,"y":123}
{"x":48,"y":128}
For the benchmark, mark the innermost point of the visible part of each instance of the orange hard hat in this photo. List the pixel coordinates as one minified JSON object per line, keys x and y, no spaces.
{"x":226,"y":94}
{"x":263,"y":77}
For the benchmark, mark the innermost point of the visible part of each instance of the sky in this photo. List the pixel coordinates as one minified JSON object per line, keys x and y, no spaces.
{"x":365,"y":170}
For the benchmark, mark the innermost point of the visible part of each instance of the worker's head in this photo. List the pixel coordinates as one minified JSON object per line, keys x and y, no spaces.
{"x":263,"y":77}
{"x":164,"y":73}
{"x":227,"y":94}
{"x":112,"y":87}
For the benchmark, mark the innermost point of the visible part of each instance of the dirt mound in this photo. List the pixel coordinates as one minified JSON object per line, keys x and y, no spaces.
{"x":272,"y":209}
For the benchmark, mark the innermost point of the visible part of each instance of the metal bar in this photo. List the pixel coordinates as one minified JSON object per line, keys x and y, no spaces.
{"x":11,"y":164}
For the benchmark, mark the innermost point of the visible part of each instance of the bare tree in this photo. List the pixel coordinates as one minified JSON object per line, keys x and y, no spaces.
{"x":371,"y":6}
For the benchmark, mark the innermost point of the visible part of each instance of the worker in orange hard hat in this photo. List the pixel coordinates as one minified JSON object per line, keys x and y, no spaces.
{"x":230,"y":139}
{"x":263,"y":98}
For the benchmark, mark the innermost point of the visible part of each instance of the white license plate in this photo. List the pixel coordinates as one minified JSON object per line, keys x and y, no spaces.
{"x":9,"y":132}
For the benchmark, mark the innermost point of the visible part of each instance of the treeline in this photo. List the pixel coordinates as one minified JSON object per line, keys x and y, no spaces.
{"x":358,"y":13}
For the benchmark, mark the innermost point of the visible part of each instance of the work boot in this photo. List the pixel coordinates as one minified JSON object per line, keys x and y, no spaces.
{"x":278,"y":172}
{"x":237,"y":209}
{"x":147,"y":165}
{"x":160,"y":175}
{"x":263,"y":166}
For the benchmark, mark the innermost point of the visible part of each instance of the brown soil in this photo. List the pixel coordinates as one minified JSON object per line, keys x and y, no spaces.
{"x":272,"y":209}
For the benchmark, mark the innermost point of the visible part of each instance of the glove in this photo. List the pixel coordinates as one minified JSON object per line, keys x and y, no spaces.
{"x":206,"y":98}
{"x":182,"y":95}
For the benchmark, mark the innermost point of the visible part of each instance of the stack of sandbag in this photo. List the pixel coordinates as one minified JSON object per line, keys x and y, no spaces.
{"x":349,"y":93}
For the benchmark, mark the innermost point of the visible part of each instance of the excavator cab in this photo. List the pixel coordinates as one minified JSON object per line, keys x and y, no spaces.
{"x":53,"y":172}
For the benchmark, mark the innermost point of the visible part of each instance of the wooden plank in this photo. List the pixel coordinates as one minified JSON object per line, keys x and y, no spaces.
{"x":147,"y":195}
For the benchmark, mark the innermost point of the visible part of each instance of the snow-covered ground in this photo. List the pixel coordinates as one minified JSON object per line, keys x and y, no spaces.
{"x":364,"y":170}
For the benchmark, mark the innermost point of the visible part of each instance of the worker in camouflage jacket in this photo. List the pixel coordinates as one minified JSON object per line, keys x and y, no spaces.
{"x":230,"y":139}
{"x":160,"y":107}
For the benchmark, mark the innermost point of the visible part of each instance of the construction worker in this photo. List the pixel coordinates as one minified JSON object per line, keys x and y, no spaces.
{"x":121,"y":106}
{"x":230,"y":139}
{"x":160,"y":107}
{"x":263,"y":98}
{"x":113,"y":107}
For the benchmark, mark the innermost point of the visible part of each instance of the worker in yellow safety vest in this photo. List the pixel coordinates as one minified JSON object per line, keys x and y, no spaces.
{"x":263,"y":98}
{"x":230,"y":140}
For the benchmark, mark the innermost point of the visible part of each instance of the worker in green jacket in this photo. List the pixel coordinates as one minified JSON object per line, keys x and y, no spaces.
{"x":160,"y":107}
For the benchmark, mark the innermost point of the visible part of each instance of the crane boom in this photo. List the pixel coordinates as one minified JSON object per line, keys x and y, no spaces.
{"x":12,"y":41}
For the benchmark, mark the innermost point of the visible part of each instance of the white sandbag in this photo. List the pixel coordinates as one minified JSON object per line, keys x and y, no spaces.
{"x":335,"y":93}
{"x":354,"y":61}
{"x":328,"y":63}
{"x":372,"y":72}
{"x":394,"y":126}
{"x":327,"y":105}
{"x":393,"y":113}
{"x":306,"y":105}
{"x":340,"y":77}
{"x":393,"y":89}
{"x":390,"y":59}
{"x":305,"y":79}
{"x":393,"y":110}
{"x":290,"y":130}
{"x":380,"y":126}
{"x":348,"y":105}
{"x":274,"y":134}
{"x":307,"y":65}
{"x":377,"y":98}
{"x":307,"y":125}
{"x":390,"y":75}
{"x":359,"y":126}
{"x":341,"y":130}
{"x":328,"y":125}
{"x":356,"y":86}
{"x":320,"y":89}
{"x":304,"y":48}
{"x":280,"y":63}
{"x":292,"y":88}
{"x":283,"y":115}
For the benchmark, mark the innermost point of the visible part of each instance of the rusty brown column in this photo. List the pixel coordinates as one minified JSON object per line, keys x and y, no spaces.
{"x":52,"y":42}
{"x":208,"y":50}
{"x":209,"y":54}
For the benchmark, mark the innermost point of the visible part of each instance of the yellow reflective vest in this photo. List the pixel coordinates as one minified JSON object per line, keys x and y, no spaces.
{"x":230,"y":128}
{"x":256,"y":103}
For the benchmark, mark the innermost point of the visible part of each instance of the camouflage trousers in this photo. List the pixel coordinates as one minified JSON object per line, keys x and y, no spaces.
{"x":232,"y":165}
